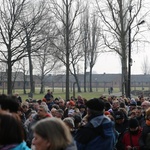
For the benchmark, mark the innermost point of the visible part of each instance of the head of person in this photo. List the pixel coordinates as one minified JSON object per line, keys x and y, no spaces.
{"x":138,"y":111}
{"x":59,"y":113}
{"x":25,"y":106}
{"x":82,"y":108}
{"x":133,"y":126}
{"x":43,"y":111}
{"x":115,"y":104}
{"x":9,"y":103}
{"x":132,"y":104}
{"x":119,"y":117}
{"x":95,"y":106}
{"x":49,"y":91}
{"x":53,"y":111}
{"x":51,"y":134}
{"x":145,"y":105}
{"x":71,"y":104}
{"x":61,"y":103}
{"x":69,"y":122}
{"x":11,"y":131}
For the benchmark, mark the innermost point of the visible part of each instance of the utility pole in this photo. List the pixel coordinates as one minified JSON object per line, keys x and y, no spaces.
{"x":129,"y":56}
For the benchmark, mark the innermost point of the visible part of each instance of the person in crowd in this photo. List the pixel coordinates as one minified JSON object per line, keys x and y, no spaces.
{"x":82,"y":110}
{"x":145,"y":105}
{"x":11,"y":132}
{"x":56,"y":101}
{"x":35,"y":105}
{"x":70,"y":124}
{"x":144,"y":140}
{"x":55,"y":106}
{"x":53,"y":112}
{"x":131,"y":137}
{"x":59,"y":113}
{"x":21,"y":115}
{"x":109,"y":99}
{"x":50,"y":103}
{"x":29,"y":119}
{"x":132,"y":106}
{"x":115,"y":106}
{"x":9,"y":103}
{"x":132,"y":114}
{"x":42,"y":113}
{"x":62,"y":104}
{"x":139,"y":116}
{"x":121,"y":124}
{"x":26,"y":109}
{"x":51,"y":134}
{"x":71,"y":104}
{"x":66,"y":109}
{"x":142,"y":99}
{"x":18,"y":98}
{"x":80,"y":101}
{"x":49,"y":95}
{"x":98,"y":132}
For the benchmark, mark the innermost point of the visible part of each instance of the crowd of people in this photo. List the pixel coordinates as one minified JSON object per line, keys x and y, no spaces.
{"x":103,"y":123}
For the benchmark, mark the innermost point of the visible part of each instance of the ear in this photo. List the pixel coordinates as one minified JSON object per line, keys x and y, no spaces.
{"x":48,"y":144}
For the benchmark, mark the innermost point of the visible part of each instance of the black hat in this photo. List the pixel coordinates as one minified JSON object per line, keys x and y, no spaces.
{"x":133,"y":123}
{"x":95,"y":104}
{"x":119,"y":115}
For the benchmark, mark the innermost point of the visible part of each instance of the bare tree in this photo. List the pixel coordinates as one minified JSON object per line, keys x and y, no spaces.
{"x":45,"y":62}
{"x":66,"y":12}
{"x":33,"y":20}
{"x":94,"y":40}
{"x":117,"y":20}
{"x":84,"y":34}
{"x":12,"y":48}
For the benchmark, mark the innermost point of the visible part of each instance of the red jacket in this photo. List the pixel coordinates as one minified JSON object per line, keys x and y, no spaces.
{"x":126,"y":140}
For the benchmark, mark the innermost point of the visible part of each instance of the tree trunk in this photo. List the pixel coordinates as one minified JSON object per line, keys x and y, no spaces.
{"x":77,"y":82}
{"x":30,"y":66}
{"x":9,"y":78}
{"x":91,"y":90}
{"x":67,"y":51}
{"x":42,"y":87}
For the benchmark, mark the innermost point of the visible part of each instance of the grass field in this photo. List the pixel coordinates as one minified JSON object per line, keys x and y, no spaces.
{"x":59,"y":92}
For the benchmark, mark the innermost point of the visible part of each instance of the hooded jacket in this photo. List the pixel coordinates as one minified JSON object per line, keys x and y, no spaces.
{"x":98,"y":133}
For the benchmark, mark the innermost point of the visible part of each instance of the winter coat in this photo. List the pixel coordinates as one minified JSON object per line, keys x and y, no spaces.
{"x":142,"y":140}
{"x":131,"y":139}
{"x":21,"y":146}
{"x":97,"y":134}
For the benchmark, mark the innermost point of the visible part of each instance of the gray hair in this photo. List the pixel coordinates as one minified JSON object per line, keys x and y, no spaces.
{"x":45,"y":107}
{"x":69,"y":121}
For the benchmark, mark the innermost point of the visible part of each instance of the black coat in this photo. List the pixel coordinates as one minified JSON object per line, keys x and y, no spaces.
{"x":142,"y":140}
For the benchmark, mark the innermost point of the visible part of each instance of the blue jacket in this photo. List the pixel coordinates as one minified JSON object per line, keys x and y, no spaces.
{"x":21,"y":146}
{"x":97,"y":134}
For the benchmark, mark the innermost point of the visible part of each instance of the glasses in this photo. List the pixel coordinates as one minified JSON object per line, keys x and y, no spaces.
{"x":40,"y":110}
{"x":24,"y":106}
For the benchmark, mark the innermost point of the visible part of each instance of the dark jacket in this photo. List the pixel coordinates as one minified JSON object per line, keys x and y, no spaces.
{"x":98,"y":133}
{"x":142,"y":139}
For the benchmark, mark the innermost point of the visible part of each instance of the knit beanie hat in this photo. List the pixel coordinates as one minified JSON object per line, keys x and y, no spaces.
{"x":133,"y":123}
{"x":95,"y":104}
